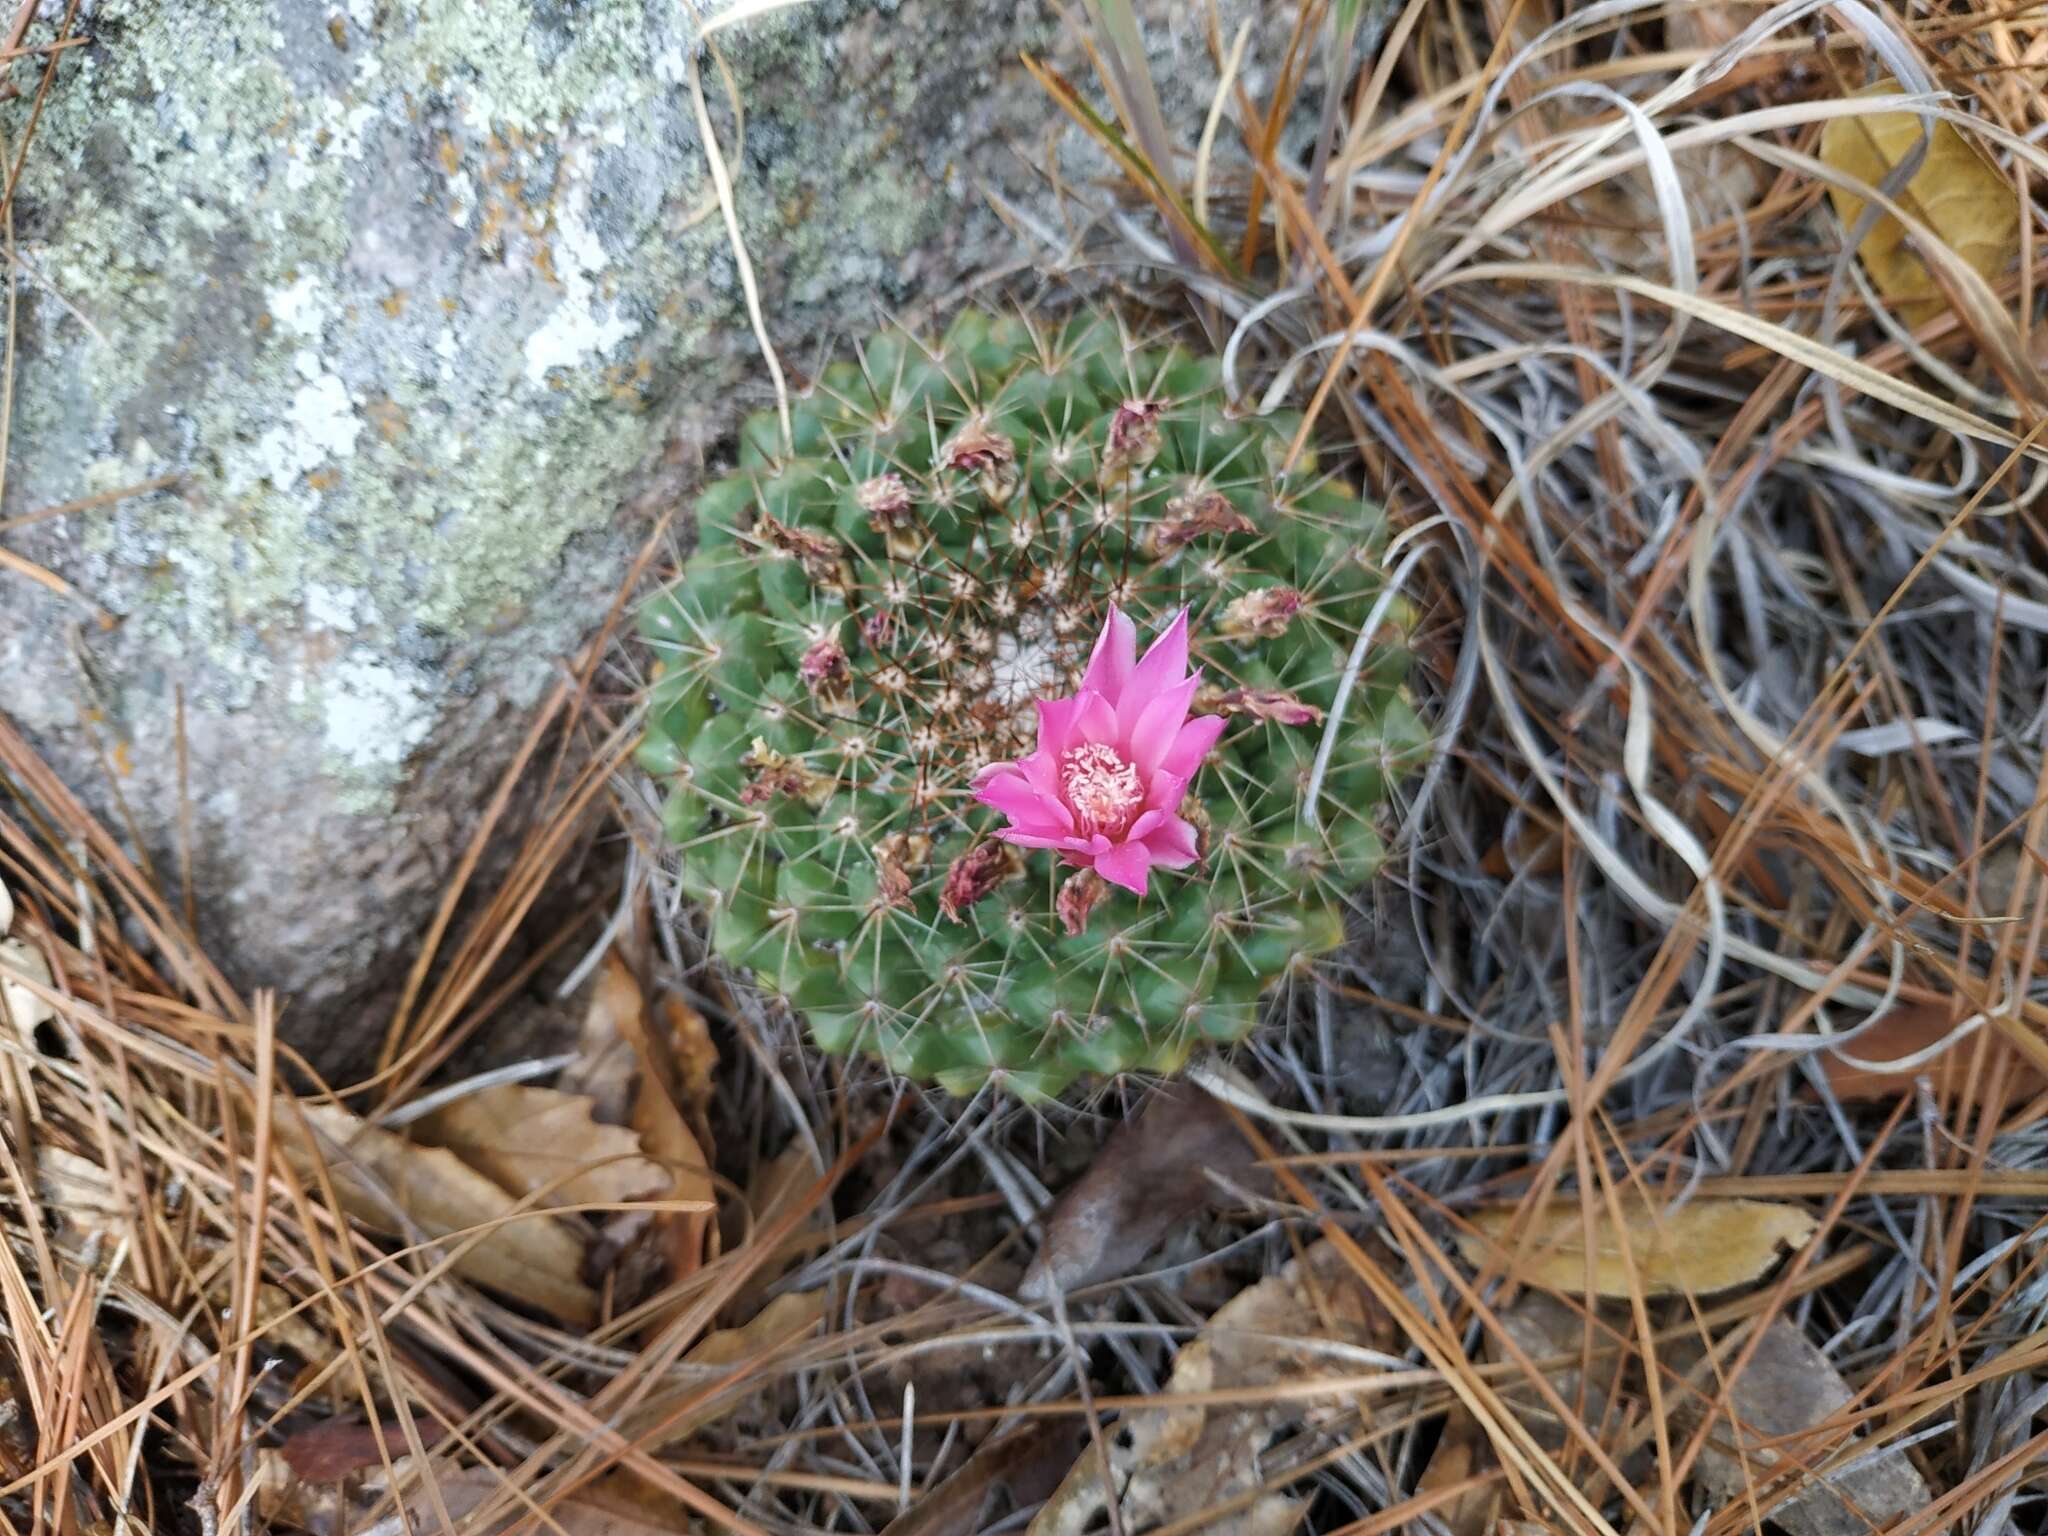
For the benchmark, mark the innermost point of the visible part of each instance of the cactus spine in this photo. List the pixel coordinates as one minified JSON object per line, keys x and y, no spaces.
{"x":875,"y":608}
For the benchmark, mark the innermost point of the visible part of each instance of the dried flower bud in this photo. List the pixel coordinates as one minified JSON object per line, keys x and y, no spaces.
{"x":1191,"y":516}
{"x":776,"y":776}
{"x":1133,"y":440}
{"x":977,"y":447}
{"x":974,"y":874}
{"x":886,"y":500}
{"x":824,"y":670}
{"x":1275,"y":704}
{"x":1264,"y":614}
{"x":980,"y":450}
{"x":897,"y":856}
{"x":1077,"y":898}
{"x":822,"y":556}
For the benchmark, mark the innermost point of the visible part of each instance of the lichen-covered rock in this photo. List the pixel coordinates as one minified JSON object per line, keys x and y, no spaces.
{"x":427,"y":307}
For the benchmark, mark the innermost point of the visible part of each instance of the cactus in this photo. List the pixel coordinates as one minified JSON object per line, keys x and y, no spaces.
{"x":852,"y":669}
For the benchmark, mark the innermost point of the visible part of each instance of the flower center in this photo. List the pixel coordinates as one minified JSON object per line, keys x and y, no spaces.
{"x":1101,"y":788}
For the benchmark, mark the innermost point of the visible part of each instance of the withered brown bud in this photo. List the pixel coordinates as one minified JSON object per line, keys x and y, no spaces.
{"x":1133,"y":440}
{"x":975,"y":873}
{"x":1077,"y":898}
{"x":1264,"y":614}
{"x":822,"y":556}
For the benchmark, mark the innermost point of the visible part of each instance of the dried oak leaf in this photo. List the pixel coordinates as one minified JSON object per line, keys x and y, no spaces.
{"x":1150,"y":1176}
{"x":1907,"y":1030}
{"x":1700,"y":1247}
{"x":544,"y":1143}
{"x":1012,"y":1473}
{"x":394,"y":1186}
{"x":1958,"y":193}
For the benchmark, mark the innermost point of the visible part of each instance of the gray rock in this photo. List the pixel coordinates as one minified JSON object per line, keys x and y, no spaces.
{"x":427,"y":305}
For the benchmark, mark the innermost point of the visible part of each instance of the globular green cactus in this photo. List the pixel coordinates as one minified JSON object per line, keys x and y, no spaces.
{"x":877,"y":603}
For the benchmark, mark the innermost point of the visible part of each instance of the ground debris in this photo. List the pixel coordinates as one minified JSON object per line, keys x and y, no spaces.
{"x":1176,"y":1461}
{"x":1698,"y":1248}
{"x":1153,"y":1173}
{"x":1781,"y":1412}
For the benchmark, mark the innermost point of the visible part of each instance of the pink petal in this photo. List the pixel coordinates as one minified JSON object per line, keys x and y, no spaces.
{"x":1172,"y":843}
{"x":1041,"y":770}
{"x":1095,"y":721}
{"x":1111,"y":662}
{"x":1192,"y":745}
{"x":1164,"y":792}
{"x":1056,"y":724}
{"x":1157,"y":723}
{"x":1072,"y":846}
{"x":1029,"y":807}
{"x":1165,"y":663}
{"x":988,"y":771}
{"x":1126,"y":865}
{"x":1136,"y":831}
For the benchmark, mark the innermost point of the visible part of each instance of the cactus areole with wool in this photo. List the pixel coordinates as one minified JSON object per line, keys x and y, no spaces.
{"x":918,"y":769}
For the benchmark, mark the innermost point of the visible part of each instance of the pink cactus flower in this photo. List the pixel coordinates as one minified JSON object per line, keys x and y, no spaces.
{"x":1113,"y":762}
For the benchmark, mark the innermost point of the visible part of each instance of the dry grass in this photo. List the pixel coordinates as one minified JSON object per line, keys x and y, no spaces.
{"x":1734,"y":642}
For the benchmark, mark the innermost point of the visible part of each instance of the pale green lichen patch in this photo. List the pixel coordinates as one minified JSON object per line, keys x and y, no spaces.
{"x":414,"y":298}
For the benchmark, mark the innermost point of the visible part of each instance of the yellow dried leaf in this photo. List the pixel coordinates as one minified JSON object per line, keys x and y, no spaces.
{"x":538,"y":1141}
{"x":395,"y":1186}
{"x":1958,"y":193}
{"x":1701,"y":1247}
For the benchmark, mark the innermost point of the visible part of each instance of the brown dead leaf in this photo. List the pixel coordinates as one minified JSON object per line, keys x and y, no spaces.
{"x":786,"y":1177}
{"x":1546,"y":1329}
{"x":1150,"y":1176}
{"x":1958,"y":193}
{"x":606,"y":1063}
{"x":1005,"y":1475}
{"x":779,"y":1324}
{"x":644,"y":1063}
{"x":544,"y":1143}
{"x":1174,"y":1462}
{"x":1707,"y":24}
{"x":681,"y":1236}
{"x":695,"y":1057}
{"x":1914,"y":1027}
{"x":397,"y":1187}
{"x":326,"y":1452}
{"x":1700,"y":1247}
{"x":615,"y":1505}
{"x":81,"y":1195}
{"x":1786,"y":1406}
{"x":1463,"y":1452}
